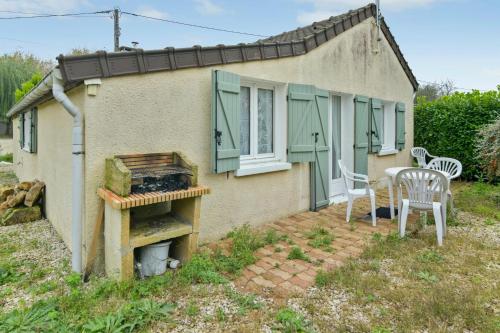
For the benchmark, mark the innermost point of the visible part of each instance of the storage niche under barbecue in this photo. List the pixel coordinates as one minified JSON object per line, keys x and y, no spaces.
{"x":145,"y":173}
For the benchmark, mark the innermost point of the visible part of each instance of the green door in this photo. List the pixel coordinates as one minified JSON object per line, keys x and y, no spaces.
{"x":361,"y":116}
{"x":320,"y":181}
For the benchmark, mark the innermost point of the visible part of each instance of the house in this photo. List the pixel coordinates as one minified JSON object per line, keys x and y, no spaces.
{"x":265,"y":122}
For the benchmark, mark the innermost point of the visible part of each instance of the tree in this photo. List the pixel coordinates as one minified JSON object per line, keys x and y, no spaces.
{"x":434,"y":90}
{"x":15,"y":69}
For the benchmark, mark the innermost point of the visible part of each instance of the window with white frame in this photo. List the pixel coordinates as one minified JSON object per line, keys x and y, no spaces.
{"x":262,"y":127}
{"x":26,"y":144}
{"x":388,"y":127}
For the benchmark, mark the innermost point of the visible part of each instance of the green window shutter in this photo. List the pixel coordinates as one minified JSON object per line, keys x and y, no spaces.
{"x":34,"y":130}
{"x":21,"y":130}
{"x":376,"y":117}
{"x":400,"y":126}
{"x":300,"y":134}
{"x":225,"y":121}
{"x":361,"y":116}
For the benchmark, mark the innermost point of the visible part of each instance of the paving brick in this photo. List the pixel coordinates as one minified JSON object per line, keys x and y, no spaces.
{"x":307,"y":277}
{"x":248,"y":274}
{"x":273,"y":278}
{"x":264,"y":265}
{"x":259,"y":280}
{"x":256,"y":269}
{"x":264,"y":252}
{"x":297,"y":281}
{"x":280,"y":273}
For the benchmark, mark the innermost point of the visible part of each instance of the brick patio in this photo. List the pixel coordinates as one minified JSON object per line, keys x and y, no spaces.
{"x":273,"y":272}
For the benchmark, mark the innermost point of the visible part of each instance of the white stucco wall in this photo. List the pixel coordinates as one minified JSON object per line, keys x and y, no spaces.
{"x":169,"y":111}
{"x":52,"y":162}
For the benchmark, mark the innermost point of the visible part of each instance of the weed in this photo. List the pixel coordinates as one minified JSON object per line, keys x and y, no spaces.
{"x":41,"y":317}
{"x":129,"y":317}
{"x":245,"y":302}
{"x":489,"y":222}
{"x":244,"y":243}
{"x":8,"y":274}
{"x":379,"y":329}
{"x":220,"y":314}
{"x":278,"y":249}
{"x":200,"y":269}
{"x":323,"y":278}
{"x":320,"y":238}
{"x":430,"y":256}
{"x":45,"y":287}
{"x":291,"y":321}
{"x":377,"y":236}
{"x":427,"y":277}
{"x":297,"y":253}
{"x":73,"y":280}
{"x":272,"y":237}
{"x":192,"y":309}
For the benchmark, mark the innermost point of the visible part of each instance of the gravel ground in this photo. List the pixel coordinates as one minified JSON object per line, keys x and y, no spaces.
{"x":39,"y":255}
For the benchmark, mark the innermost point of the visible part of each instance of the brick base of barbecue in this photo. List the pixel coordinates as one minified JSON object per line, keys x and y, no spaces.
{"x":123,"y":234}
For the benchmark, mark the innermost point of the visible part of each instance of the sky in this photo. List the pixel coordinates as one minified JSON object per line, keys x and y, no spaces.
{"x":457,"y":40}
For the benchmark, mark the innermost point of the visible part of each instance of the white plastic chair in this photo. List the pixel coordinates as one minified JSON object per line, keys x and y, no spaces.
{"x":421,"y":155}
{"x":421,"y":187}
{"x":453,"y":169}
{"x":350,"y":178}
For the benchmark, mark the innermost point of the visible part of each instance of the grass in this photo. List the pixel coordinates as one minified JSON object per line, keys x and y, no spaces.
{"x":397,"y":285}
{"x":320,"y":238}
{"x":481,"y":199}
{"x":297,"y":253}
{"x":426,"y":288}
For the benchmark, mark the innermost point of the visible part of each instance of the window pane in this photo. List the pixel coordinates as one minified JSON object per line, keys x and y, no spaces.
{"x":265,"y":121}
{"x":336,"y":136}
{"x":381,"y":127}
{"x":245,"y":121}
{"x":27,"y":130}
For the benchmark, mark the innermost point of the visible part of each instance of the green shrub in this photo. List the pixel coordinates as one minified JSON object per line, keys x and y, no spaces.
{"x":28,"y":85}
{"x":449,"y":126}
{"x":488,"y":150}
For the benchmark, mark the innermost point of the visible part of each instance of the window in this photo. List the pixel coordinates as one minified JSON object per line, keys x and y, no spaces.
{"x":28,"y":130}
{"x":256,"y":121}
{"x":388,"y":129}
{"x":262,"y":127}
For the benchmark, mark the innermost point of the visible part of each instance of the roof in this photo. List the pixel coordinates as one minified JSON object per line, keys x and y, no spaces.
{"x":288,"y":44}
{"x":75,"y":69}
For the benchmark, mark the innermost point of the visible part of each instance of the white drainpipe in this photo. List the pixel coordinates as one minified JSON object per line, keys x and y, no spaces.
{"x":77,"y":172}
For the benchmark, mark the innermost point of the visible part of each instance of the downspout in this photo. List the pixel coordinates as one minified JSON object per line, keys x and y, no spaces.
{"x":77,"y":171}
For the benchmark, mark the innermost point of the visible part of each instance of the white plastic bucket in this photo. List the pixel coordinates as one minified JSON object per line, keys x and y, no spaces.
{"x":153,"y":258}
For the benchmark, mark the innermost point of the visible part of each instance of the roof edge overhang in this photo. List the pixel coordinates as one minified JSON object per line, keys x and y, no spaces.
{"x":108,"y":64}
{"x":75,"y":69}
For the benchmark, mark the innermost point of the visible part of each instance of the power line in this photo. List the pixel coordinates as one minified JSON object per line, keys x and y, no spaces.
{"x":56,"y":15}
{"x":194,"y":25}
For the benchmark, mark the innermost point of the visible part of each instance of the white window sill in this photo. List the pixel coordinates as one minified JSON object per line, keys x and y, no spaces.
{"x":388,"y":151}
{"x":257,"y":168}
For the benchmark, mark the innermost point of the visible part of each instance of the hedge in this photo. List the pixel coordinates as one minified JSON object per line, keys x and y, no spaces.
{"x":449,"y":126}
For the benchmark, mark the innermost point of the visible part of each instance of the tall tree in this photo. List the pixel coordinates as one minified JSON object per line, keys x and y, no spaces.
{"x":15,"y":69}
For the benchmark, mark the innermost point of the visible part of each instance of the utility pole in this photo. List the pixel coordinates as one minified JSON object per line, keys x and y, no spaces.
{"x":116,"y":18}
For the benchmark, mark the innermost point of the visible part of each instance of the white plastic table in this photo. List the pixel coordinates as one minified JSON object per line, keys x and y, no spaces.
{"x":391,"y":175}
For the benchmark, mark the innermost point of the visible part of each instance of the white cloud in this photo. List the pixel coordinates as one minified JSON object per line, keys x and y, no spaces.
{"x":41,"y":6}
{"x":208,"y":7}
{"x":322,"y":9}
{"x":152,"y":12}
